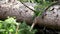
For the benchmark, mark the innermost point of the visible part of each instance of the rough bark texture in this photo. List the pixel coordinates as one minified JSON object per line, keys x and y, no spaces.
{"x":15,"y":9}
{"x":50,"y":18}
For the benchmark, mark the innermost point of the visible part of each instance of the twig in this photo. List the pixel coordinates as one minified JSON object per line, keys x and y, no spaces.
{"x":51,"y":5}
{"x":27,"y":6}
{"x":34,"y":23}
{"x":17,"y":28}
{"x":32,"y":26}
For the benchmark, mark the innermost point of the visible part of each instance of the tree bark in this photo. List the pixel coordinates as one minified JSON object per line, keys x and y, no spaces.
{"x":16,"y":9}
{"x":50,"y":18}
